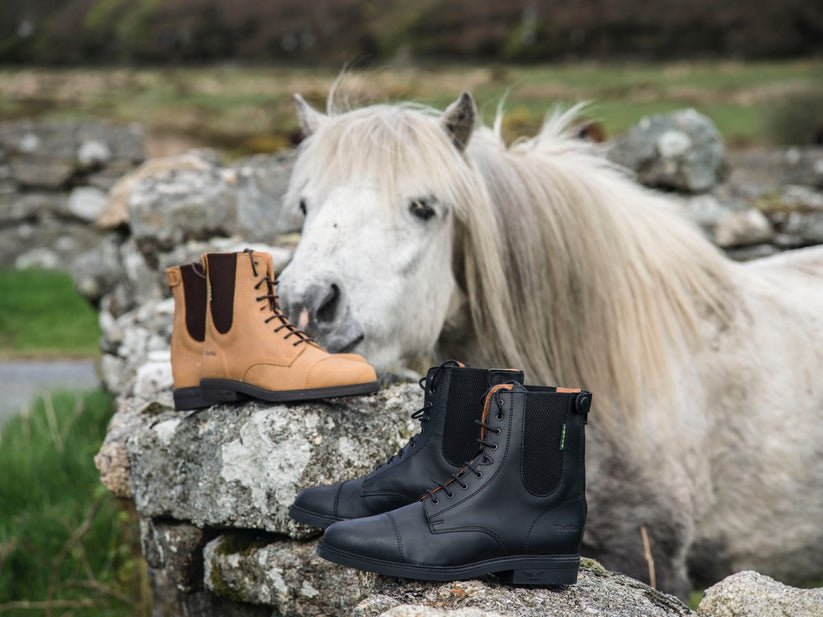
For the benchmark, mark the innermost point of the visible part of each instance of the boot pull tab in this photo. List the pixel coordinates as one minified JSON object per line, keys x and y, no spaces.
{"x":173,"y":276}
{"x":582,"y":404}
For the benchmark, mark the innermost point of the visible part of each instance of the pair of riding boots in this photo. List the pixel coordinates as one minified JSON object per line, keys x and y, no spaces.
{"x":231,"y":341}
{"x":494,"y":483}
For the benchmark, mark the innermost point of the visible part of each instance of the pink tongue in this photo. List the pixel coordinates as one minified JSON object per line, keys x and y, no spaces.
{"x":303,"y":319}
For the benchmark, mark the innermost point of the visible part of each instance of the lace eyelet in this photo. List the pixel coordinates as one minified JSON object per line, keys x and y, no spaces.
{"x":435,"y":502}
{"x":497,"y":431}
{"x":499,"y":402}
{"x":500,"y":416}
{"x":449,"y":495}
{"x":478,"y":475}
{"x":465,"y":487}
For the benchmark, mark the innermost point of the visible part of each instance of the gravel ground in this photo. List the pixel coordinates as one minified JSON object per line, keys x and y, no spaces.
{"x":21,"y":381}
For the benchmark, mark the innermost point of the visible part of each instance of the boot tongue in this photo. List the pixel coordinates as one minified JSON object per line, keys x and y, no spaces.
{"x":490,"y":395}
{"x":518,"y":387}
{"x":266,"y":259}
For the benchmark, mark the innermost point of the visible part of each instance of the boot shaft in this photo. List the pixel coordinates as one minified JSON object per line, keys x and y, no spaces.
{"x":188,"y":288}
{"x":252,"y":349}
{"x":460,"y":406}
{"x":453,"y":406}
{"x":240,"y":319}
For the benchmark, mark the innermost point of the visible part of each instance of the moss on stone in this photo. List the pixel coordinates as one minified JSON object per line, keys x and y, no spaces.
{"x":219,"y":585}
{"x":593,"y":566}
{"x":242,"y":543}
{"x":777,"y":203}
{"x":155,"y":409}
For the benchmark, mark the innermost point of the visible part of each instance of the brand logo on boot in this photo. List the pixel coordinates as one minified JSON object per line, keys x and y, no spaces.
{"x":565,"y":527}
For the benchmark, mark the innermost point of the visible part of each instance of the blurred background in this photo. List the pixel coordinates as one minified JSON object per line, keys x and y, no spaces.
{"x":219,"y":72}
{"x":96,"y":95}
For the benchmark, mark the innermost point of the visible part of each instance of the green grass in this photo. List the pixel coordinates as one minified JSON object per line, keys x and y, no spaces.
{"x":65,"y":543}
{"x":41,"y":314}
{"x":245,"y":109}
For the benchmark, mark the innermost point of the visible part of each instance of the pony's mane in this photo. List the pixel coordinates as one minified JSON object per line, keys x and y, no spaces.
{"x":571,"y":270}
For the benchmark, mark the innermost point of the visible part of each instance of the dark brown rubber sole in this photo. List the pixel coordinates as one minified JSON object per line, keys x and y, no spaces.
{"x":186,"y":399}
{"x":229,"y":391}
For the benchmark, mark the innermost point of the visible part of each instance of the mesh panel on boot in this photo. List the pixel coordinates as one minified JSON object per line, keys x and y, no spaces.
{"x":222,"y":272}
{"x":194,"y":292}
{"x":542,"y":460}
{"x":465,"y":405}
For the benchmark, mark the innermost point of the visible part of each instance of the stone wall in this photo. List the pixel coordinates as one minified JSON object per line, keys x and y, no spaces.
{"x":54,"y":181}
{"x":751,"y":204}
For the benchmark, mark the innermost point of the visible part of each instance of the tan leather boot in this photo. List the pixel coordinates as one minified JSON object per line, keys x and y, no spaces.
{"x":188,"y":287}
{"x":251,"y":348}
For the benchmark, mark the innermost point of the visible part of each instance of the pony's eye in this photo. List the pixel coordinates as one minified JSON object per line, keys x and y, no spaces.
{"x":421,"y":208}
{"x":303,"y":206}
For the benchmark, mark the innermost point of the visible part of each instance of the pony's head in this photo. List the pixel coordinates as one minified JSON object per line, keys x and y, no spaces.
{"x":381,"y":189}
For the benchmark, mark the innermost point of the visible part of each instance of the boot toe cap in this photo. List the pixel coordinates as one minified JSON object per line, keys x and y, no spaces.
{"x":373,"y":537}
{"x":356,"y":357}
{"x":316,"y":505}
{"x":334,"y":371}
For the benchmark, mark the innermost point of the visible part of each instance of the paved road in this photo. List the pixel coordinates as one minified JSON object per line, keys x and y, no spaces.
{"x":21,"y":381}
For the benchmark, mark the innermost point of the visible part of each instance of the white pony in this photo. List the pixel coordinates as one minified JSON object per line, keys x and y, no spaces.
{"x":425,"y":238}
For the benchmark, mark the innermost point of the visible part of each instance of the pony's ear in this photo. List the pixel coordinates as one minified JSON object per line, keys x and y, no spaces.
{"x":309,"y":117}
{"x":458,"y":120}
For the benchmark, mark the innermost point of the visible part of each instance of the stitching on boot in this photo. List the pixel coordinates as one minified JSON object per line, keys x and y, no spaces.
{"x":337,"y":498}
{"x":397,"y":536}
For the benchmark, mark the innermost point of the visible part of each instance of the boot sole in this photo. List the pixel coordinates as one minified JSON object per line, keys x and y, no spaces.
{"x":189,"y":398}
{"x":312,"y":518}
{"x":543,"y":570}
{"x":229,"y":390}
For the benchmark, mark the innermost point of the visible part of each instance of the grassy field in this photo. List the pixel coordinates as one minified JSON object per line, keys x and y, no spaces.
{"x":41,"y":315}
{"x":66,"y":546}
{"x":248,"y":109}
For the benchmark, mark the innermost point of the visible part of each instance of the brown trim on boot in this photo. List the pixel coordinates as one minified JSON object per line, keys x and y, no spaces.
{"x":222,"y":273}
{"x":194,"y":291}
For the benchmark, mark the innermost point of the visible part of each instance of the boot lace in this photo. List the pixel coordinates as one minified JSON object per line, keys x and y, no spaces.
{"x":274,"y":305}
{"x":481,"y":458}
{"x":422,"y":414}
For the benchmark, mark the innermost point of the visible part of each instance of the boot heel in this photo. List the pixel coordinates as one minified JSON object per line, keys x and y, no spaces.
{"x":548,"y":574}
{"x":186,"y":399}
{"x":216,"y":392}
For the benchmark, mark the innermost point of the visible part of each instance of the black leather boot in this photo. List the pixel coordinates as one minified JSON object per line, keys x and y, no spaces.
{"x":517,"y":509}
{"x":453,"y":404}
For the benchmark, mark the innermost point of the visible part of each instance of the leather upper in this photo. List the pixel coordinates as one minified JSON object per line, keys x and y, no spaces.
{"x":494,"y":516}
{"x":251,"y":351}
{"x":186,"y":352}
{"x":408,"y":474}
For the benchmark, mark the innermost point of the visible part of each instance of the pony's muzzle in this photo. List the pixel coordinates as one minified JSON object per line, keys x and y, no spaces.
{"x":319,"y":310}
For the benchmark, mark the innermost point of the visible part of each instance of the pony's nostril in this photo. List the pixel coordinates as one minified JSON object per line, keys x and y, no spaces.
{"x":327,"y":310}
